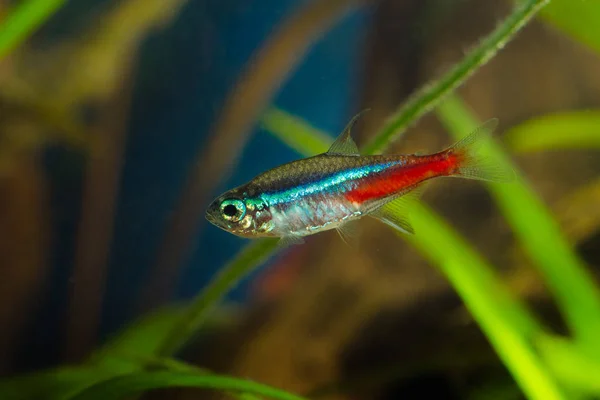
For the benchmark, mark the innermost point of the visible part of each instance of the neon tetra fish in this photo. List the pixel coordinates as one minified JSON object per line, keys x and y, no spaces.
{"x":329,"y":190}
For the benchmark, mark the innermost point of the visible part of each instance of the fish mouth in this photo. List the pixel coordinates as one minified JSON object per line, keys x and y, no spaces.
{"x":210,"y":217}
{"x":216,"y":221}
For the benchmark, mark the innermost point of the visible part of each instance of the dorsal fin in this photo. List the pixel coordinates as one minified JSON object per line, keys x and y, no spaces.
{"x":344,"y":145}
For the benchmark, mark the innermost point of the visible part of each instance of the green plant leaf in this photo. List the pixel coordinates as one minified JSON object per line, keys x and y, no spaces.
{"x":196,"y":313}
{"x":506,"y":322}
{"x":67,"y":382}
{"x":130,"y":351}
{"x":570,"y":364}
{"x":22,"y":20}
{"x":566,"y":130}
{"x":431,"y":95}
{"x":120,"y":387}
{"x":577,"y":18}
{"x":566,"y":275}
{"x":55,"y":384}
{"x":137,"y":343}
{"x":298,"y":133}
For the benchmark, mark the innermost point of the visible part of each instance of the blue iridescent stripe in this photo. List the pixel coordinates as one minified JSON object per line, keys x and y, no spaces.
{"x":324,"y":185}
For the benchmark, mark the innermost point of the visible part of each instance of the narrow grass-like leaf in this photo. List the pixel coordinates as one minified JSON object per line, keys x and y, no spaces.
{"x":68,"y":382}
{"x":120,"y":387}
{"x":128,"y":351}
{"x":299,"y":134}
{"x":432,"y":94}
{"x":506,"y":322}
{"x":566,"y":130}
{"x":22,"y":20}
{"x":188,"y":324}
{"x":577,"y":18}
{"x":54,"y":384}
{"x":132,"y":350}
{"x":537,"y":231}
{"x":570,"y":364}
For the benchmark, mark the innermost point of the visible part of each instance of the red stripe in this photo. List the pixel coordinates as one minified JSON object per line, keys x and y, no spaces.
{"x":397,"y":178}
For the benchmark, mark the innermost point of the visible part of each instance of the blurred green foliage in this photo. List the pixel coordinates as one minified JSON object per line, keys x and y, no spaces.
{"x":55,"y":384}
{"x":565,"y":130}
{"x":120,"y":387}
{"x":140,"y":341}
{"x":23,"y":20}
{"x":578,"y":18}
{"x":567,"y":277}
{"x":572,"y":365}
{"x":544,"y":366}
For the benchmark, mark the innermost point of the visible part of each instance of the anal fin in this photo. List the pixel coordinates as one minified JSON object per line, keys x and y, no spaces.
{"x":390,"y":215}
{"x":396,"y":212}
{"x":349,"y":233}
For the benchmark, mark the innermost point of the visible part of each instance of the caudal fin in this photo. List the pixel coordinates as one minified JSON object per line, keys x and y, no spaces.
{"x":471,"y":165}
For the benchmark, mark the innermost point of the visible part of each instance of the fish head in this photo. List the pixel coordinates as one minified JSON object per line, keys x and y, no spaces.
{"x":240,"y":214}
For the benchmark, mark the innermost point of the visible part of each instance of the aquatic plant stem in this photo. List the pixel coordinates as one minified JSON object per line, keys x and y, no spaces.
{"x":23,"y":20}
{"x":244,"y":262}
{"x":431,"y":95}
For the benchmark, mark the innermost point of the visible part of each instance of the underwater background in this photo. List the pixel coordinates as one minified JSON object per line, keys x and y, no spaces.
{"x":122,"y":119}
{"x":184,"y":75}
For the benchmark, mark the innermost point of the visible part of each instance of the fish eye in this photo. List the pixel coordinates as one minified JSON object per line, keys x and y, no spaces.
{"x":230,"y":210}
{"x":233,"y":209}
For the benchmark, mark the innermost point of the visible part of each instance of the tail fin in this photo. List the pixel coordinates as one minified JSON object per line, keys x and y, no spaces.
{"x":473,"y":166}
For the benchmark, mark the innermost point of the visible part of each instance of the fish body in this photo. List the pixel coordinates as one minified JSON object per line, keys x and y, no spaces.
{"x":330,"y":190}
